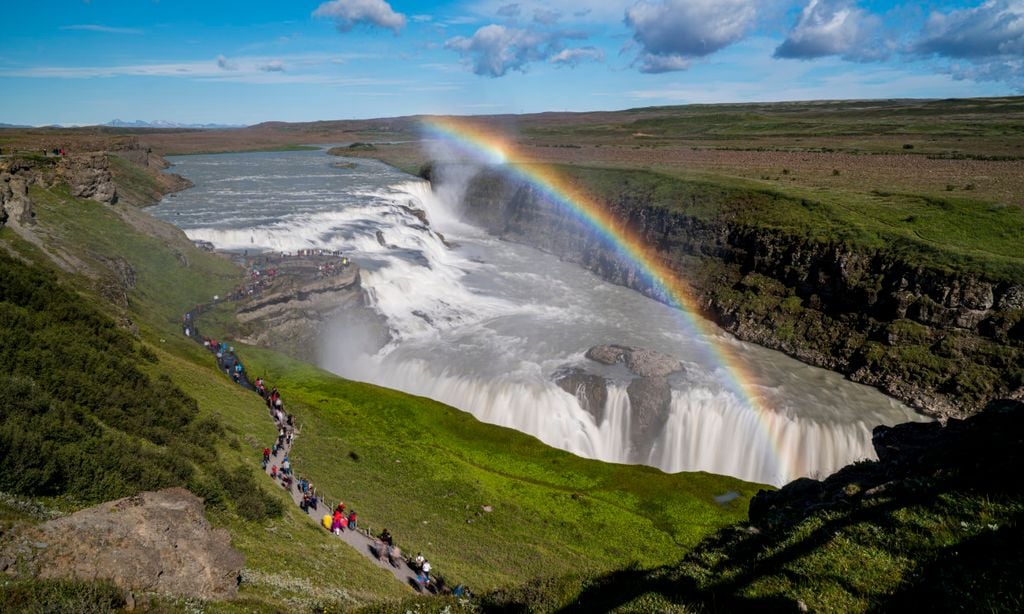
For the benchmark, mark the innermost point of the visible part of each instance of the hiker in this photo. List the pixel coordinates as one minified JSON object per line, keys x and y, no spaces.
{"x":352,"y":520}
{"x":417,"y":563}
{"x":273,"y":471}
{"x":286,"y":466}
{"x":336,"y":524}
{"x":426,"y":569}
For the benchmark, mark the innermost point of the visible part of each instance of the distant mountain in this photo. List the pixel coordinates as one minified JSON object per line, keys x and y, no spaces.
{"x":3,"y":125}
{"x":118,"y":123}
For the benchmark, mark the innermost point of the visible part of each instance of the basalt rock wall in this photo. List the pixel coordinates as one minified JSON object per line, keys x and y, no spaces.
{"x":945,"y":342}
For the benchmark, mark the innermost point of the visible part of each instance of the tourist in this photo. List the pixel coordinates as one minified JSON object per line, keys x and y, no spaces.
{"x":418,"y":561}
{"x":352,"y":520}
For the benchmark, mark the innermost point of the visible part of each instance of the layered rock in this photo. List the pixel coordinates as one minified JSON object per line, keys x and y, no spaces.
{"x":291,"y":314}
{"x":156,"y":542}
{"x":88,"y":176}
{"x":15,"y":206}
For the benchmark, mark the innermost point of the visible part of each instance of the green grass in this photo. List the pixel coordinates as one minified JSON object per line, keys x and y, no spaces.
{"x":946,"y":234}
{"x":425,"y":470}
{"x":171,"y":275}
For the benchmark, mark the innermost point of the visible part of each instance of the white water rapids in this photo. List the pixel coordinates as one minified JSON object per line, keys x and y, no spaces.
{"x":483,"y":325}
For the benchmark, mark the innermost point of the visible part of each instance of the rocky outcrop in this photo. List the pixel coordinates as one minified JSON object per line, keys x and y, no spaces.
{"x":15,"y":206}
{"x":88,"y":176}
{"x":589,"y":389}
{"x":156,"y":542}
{"x":291,"y":314}
{"x":640,"y":361}
{"x":943,"y":341}
{"x":650,"y":400}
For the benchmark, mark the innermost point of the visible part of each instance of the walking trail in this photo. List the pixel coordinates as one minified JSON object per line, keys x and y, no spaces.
{"x":365,"y":544}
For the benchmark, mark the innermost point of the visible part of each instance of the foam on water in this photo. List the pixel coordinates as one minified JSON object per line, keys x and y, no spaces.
{"x":484,"y":325}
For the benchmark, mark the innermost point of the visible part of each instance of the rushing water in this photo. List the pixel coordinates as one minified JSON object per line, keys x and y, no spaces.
{"x":483,"y":324}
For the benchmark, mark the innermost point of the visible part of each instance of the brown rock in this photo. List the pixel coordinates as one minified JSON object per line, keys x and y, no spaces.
{"x":607,"y":354}
{"x":649,"y":363}
{"x":154,"y":542}
{"x":89,"y":176}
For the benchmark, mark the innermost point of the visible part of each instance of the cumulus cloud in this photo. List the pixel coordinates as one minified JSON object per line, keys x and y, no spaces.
{"x":494,"y":50}
{"x":996,"y":28}
{"x":986,"y":42}
{"x":273,"y":66}
{"x":672,"y":32}
{"x":349,"y":13}
{"x":834,"y":27}
{"x":226,"y":64}
{"x":575,"y":57}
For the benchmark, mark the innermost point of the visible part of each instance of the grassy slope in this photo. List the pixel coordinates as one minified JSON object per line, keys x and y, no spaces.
{"x":425,"y":470}
{"x":289,"y":563}
{"x":954,"y":233}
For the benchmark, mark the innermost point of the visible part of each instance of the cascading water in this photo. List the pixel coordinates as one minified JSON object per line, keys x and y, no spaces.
{"x":484,"y":325}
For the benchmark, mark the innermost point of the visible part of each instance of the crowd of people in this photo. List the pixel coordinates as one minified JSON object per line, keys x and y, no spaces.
{"x":276,"y":457}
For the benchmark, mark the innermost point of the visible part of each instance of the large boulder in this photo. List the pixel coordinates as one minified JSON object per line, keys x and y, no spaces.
{"x":649,"y":363}
{"x":155,"y":542}
{"x":590,"y":390}
{"x":640,"y":361}
{"x":650,"y":400}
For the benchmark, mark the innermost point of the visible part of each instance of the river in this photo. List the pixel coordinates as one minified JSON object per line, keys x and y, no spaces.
{"x":484,"y":325}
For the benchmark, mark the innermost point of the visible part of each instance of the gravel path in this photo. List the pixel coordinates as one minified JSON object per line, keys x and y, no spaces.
{"x":364,"y":544}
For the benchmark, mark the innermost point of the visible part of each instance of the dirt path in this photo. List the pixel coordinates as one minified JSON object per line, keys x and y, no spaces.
{"x":362,"y":542}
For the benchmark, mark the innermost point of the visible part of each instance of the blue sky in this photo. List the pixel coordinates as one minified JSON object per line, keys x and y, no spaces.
{"x":85,"y":62}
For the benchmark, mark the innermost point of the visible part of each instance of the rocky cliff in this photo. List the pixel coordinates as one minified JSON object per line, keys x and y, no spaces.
{"x":291,"y":314}
{"x":942,"y":341}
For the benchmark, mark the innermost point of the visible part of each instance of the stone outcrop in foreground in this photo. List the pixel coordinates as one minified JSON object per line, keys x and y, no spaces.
{"x":155,"y":542}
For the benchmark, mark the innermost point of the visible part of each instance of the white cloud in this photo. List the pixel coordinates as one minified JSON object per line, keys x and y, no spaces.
{"x":349,"y":13}
{"x":302,"y":68}
{"x":996,"y":28}
{"x":671,"y":32}
{"x":92,"y":27}
{"x":988,"y":40}
{"x":574,"y":57}
{"x":834,"y":27}
{"x":494,"y":50}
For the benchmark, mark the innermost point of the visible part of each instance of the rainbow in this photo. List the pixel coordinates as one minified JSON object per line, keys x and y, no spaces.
{"x":482,"y":144}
